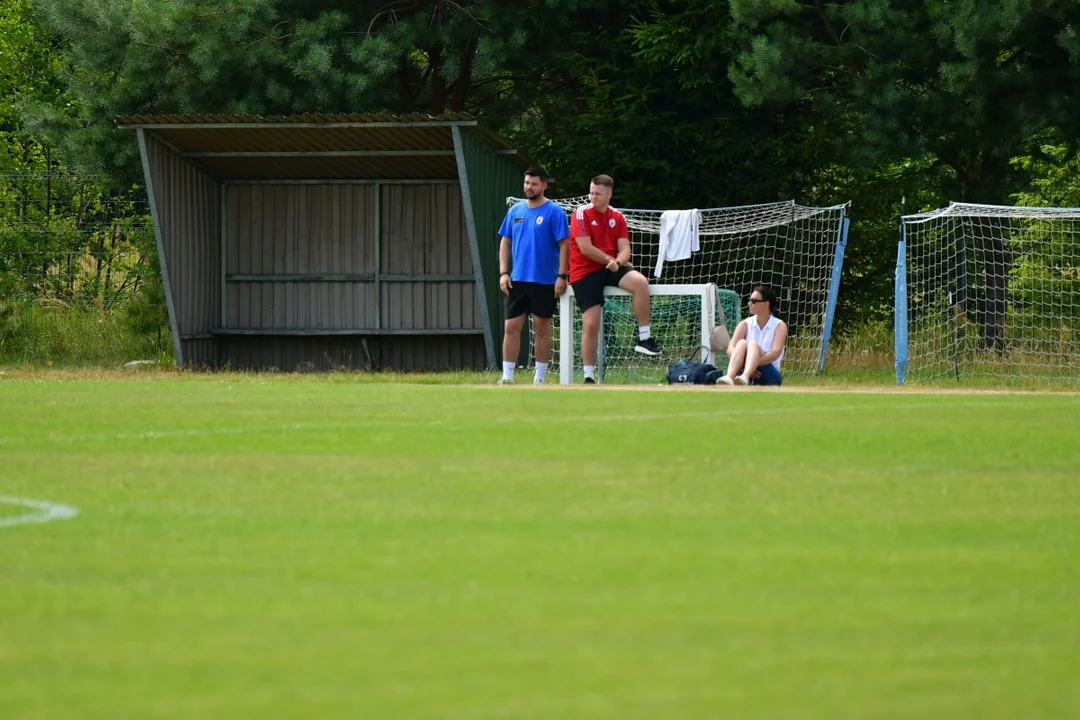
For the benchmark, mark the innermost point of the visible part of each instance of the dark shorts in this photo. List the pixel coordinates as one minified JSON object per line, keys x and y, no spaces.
{"x":533,"y":298}
{"x":589,"y":290}
{"x":769,"y":376}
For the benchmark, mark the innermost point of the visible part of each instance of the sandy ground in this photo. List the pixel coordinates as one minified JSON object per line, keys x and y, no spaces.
{"x":791,"y":389}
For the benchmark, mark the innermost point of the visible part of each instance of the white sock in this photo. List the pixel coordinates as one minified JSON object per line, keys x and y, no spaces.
{"x":644,"y":332}
{"x":590,"y":371}
{"x":541,"y":372}
{"x":508,"y":370}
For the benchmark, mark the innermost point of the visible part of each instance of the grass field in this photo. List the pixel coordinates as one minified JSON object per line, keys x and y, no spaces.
{"x":321,"y":546}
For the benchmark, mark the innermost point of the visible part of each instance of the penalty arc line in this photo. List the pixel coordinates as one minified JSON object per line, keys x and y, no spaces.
{"x":44,"y":511}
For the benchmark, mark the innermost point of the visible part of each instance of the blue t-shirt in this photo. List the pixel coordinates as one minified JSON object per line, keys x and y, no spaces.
{"x":535,"y":234}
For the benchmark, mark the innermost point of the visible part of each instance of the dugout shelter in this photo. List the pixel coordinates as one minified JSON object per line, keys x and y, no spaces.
{"x":327,"y":241}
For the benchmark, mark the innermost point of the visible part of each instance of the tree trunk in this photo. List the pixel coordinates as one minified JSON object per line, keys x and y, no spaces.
{"x":988,"y":255}
{"x":437,"y":105}
{"x":463,"y":82}
{"x":405,"y":88}
{"x":997,"y":259}
{"x":114,"y":235}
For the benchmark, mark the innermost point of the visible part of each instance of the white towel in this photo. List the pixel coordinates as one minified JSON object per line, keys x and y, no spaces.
{"x":678,"y":236}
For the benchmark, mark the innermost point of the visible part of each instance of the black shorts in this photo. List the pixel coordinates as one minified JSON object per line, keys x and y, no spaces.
{"x":534,"y":298}
{"x":589,"y":290}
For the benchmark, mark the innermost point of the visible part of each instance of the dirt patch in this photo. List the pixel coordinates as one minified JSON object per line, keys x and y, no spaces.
{"x":831,"y":389}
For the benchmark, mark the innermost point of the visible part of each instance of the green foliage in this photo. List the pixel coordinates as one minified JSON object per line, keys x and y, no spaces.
{"x":295,"y":56}
{"x":686,"y":102}
{"x":1049,"y":266}
{"x":966,"y":82}
{"x":75,"y":242}
{"x":144,"y":310}
{"x":649,"y":104}
{"x":878,"y":195}
{"x":9,"y":282}
{"x":658,"y":111}
{"x":44,"y":333}
{"x":29,"y":63}
{"x":1055,"y":171}
{"x":29,"y":75}
{"x":938,"y":96}
{"x":73,"y":238}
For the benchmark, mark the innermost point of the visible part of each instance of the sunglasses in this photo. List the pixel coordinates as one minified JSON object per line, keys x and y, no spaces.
{"x":754,"y":301}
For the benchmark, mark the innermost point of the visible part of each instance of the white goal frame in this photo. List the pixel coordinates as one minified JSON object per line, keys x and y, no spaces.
{"x":796,"y":249}
{"x":988,"y":291}
{"x":706,"y":292}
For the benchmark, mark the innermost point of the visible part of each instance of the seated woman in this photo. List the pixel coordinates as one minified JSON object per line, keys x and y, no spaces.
{"x":756,"y":349}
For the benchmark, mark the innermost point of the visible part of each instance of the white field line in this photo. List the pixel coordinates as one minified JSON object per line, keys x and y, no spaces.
{"x":43,"y":511}
{"x":375,"y":423}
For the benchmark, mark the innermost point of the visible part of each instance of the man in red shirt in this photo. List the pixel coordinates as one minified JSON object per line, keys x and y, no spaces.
{"x":599,"y":257}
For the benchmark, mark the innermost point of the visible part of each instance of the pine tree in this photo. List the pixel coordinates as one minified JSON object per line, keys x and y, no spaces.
{"x":967,"y":83}
{"x":298,"y":56}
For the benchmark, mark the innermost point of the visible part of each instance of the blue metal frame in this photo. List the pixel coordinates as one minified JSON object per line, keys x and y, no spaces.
{"x":834,"y":288}
{"x":900,"y":317}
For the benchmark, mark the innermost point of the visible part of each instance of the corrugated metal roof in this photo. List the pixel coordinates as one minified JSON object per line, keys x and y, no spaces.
{"x":298,"y":139}
{"x":312,"y":118}
{"x":314,"y":146}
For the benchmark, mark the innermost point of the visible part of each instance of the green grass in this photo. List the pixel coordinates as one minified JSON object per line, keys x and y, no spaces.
{"x":46,"y":335}
{"x":329,"y":546}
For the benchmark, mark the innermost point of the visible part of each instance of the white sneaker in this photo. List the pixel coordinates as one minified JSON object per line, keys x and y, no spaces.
{"x":506,"y":381}
{"x":742,"y":380}
{"x":725,"y":380}
{"x":537,"y":381}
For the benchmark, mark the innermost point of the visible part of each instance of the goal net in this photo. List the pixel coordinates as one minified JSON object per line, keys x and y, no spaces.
{"x":683,"y":320}
{"x":796,"y":249}
{"x":992,"y":291}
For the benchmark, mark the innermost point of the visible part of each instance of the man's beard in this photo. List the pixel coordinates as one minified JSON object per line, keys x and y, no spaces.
{"x":531,"y":194}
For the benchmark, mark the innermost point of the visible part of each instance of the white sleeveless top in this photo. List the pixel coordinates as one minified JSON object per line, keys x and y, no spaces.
{"x":763,"y":336}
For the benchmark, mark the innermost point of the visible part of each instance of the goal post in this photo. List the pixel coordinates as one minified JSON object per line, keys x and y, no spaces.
{"x":988,"y":291}
{"x":796,"y":249}
{"x":569,"y":330}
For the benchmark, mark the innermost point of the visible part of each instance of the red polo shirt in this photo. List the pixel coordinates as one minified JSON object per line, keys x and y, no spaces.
{"x":604,"y":229}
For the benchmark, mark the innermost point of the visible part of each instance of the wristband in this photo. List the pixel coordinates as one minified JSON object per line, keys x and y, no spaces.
{"x":504,"y":273}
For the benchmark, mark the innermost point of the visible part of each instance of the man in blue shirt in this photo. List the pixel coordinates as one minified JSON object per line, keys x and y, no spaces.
{"x":533,"y":270}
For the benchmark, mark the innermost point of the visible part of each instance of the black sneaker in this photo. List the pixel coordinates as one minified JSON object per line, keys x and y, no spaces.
{"x":648,"y":347}
{"x":590,"y":381}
